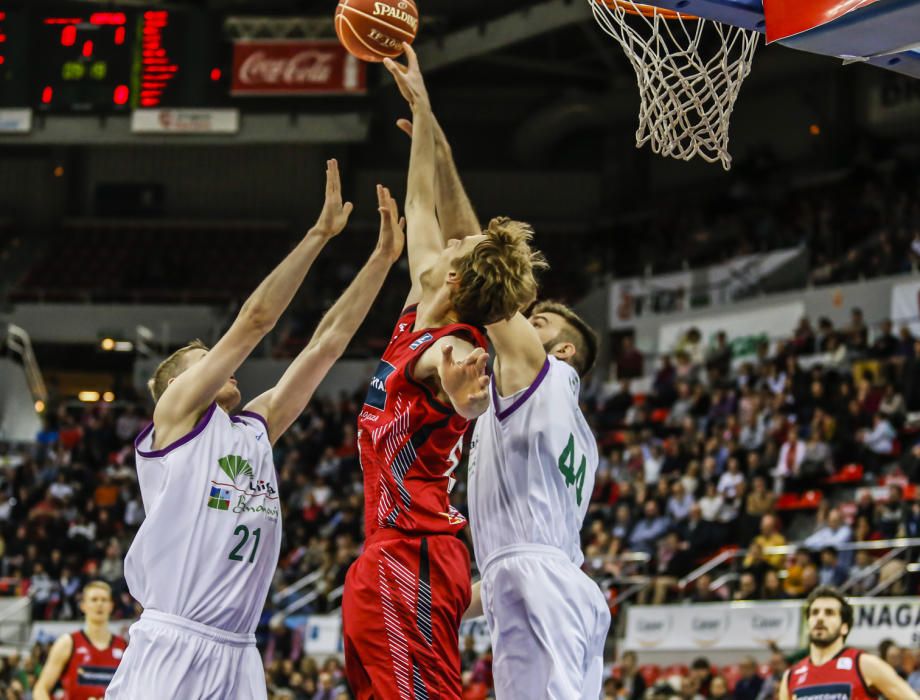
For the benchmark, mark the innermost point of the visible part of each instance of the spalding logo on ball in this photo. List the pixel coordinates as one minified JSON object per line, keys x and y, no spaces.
{"x":373,"y":30}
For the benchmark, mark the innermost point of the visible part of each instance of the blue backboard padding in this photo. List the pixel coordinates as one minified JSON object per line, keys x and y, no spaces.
{"x":882,"y":26}
{"x":875,"y":29}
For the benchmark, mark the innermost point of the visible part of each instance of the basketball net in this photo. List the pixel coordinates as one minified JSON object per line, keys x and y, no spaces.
{"x":689,"y":70}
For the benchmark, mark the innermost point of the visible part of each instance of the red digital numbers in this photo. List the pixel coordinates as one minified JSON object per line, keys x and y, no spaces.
{"x":157,"y":69}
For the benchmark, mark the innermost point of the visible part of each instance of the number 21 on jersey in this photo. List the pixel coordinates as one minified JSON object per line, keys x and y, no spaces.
{"x":567,"y":467}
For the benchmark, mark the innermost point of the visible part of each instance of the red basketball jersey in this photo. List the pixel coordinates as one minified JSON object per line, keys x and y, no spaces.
{"x":89,"y":669}
{"x":837,"y":679}
{"x":409,"y":442}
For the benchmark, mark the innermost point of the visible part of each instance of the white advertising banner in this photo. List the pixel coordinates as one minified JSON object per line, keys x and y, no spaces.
{"x":323,"y":635}
{"x":15,"y":121}
{"x":905,"y":305}
{"x":877,"y":619}
{"x":728,"y":626}
{"x":743,"y":328}
{"x":185,"y":121}
{"x":637,"y":297}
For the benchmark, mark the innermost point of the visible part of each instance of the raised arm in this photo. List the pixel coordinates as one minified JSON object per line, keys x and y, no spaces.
{"x":282,"y":405}
{"x":455,"y":210}
{"x":519,"y":354}
{"x":53,"y":668}
{"x":425,"y":241}
{"x":193,"y":390}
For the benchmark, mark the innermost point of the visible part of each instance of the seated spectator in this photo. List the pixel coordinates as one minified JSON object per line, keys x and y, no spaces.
{"x":702,"y":591}
{"x":633,"y":682}
{"x":878,"y":443}
{"x":890,"y":514}
{"x":832,"y":572}
{"x":863,"y":573}
{"x":629,"y":361}
{"x":649,"y":529}
{"x":755,"y":563}
{"x":816,"y":463}
{"x":699,"y":534}
{"x":701,"y":672}
{"x":834,"y":534}
{"x":791,"y":456}
{"x":747,"y":587}
{"x":912,"y":517}
{"x":886,"y":343}
{"x":711,"y":503}
{"x":893,"y":406}
{"x":770,"y":536}
{"x":749,"y":685}
{"x":718,"y":689}
{"x":893,"y":655}
{"x":731,"y":479}
{"x":772,"y":587}
{"x":857,"y":334}
{"x":801,"y":576}
{"x":680,"y":503}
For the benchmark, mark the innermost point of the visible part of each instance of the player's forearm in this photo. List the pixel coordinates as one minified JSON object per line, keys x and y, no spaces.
{"x":475,"y":607}
{"x":420,"y":195}
{"x":455,"y":210}
{"x":343,"y":320}
{"x":274,"y":294}
{"x":39,"y":692}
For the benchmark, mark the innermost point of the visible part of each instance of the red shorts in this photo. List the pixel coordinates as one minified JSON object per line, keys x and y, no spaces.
{"x":401,"y":611}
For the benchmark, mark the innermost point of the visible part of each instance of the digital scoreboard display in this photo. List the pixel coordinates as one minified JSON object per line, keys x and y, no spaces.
{"x":82,"y":62}
{"x":86,"y":58}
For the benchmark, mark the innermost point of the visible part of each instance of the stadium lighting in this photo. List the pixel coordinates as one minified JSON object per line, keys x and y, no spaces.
{"x":107,"y":344}
{"x":88,"y":396}
{"x":39,"y":406}
{"x":108,"y":397}
{"x":123,"y":346}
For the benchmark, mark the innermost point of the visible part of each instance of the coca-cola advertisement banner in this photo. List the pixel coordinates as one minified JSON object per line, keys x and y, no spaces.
{"x":286,"y":67}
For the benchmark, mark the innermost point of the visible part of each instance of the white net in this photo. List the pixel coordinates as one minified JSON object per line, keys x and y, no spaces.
{"x":689,"y":70}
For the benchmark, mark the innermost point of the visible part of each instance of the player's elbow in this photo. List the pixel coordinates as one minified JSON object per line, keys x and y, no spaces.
{"x":257,"y":318}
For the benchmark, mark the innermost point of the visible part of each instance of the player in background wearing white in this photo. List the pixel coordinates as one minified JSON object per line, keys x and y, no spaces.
{"x":532,"y":462}
{"x":202,"y":562}
{"x":531,"y":473}
{"x":84,"y":661}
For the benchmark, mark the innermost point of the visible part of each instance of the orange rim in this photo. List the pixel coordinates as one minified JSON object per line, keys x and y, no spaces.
{"x":645,"y":10}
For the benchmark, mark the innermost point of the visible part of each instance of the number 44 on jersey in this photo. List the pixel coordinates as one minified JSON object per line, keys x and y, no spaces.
{"x":567,"y":467}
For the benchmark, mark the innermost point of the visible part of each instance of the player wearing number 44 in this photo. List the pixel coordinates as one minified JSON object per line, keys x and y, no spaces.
{"x":203,"y":560}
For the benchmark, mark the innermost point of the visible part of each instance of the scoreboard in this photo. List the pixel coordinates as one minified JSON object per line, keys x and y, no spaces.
{"x":78,"y":57}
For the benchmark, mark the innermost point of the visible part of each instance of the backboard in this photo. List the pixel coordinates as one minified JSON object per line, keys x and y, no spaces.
{"x":884,"y":33}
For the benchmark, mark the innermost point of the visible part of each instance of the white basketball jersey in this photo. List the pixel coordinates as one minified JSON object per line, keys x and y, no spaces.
{"x":531,"y":470}
{"x":209,"y":546}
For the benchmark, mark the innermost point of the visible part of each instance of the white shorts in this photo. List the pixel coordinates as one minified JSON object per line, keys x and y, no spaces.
{"x":171,"y":657}
{"x":548,"y":622}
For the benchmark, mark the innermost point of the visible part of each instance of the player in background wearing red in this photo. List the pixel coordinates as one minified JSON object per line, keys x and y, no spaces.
{"x":832,"y":670}
{"x":405,"y":596}
{"x":84,"y":661}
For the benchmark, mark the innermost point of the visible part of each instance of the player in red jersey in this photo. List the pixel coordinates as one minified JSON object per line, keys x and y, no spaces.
{"x":84,"y":661}
{"x":405,"y":596}
{"x":833,"y":671}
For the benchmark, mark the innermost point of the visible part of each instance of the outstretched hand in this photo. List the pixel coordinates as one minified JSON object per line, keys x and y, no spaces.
{"x":464,"y":382}
{"x":392,"y":238}
{"x":334,"y":216}
{"x":409,"y":78}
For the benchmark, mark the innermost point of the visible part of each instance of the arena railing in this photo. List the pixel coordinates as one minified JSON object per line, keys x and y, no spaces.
{"x":18,"y":341}
{"x":898,"y":545}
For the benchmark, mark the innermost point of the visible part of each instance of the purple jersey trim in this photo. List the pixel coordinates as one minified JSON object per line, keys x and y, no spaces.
{"x":253,"y":414}
{"x":501,"y":415}
{"x":195,"y":432}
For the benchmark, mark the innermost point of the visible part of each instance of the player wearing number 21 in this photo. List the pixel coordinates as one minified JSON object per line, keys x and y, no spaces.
{"x":203,"y":559}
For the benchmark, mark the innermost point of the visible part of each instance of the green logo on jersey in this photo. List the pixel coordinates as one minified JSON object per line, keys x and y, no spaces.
{"x":234,"y":466}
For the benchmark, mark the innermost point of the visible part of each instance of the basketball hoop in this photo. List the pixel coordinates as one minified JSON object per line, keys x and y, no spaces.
{"x":686,"y":94}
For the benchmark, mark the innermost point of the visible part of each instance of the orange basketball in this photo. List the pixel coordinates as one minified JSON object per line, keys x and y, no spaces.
{"x":374,"y":30}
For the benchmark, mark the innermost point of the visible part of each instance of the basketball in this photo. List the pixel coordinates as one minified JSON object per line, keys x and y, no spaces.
{"x":373,"y":30}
